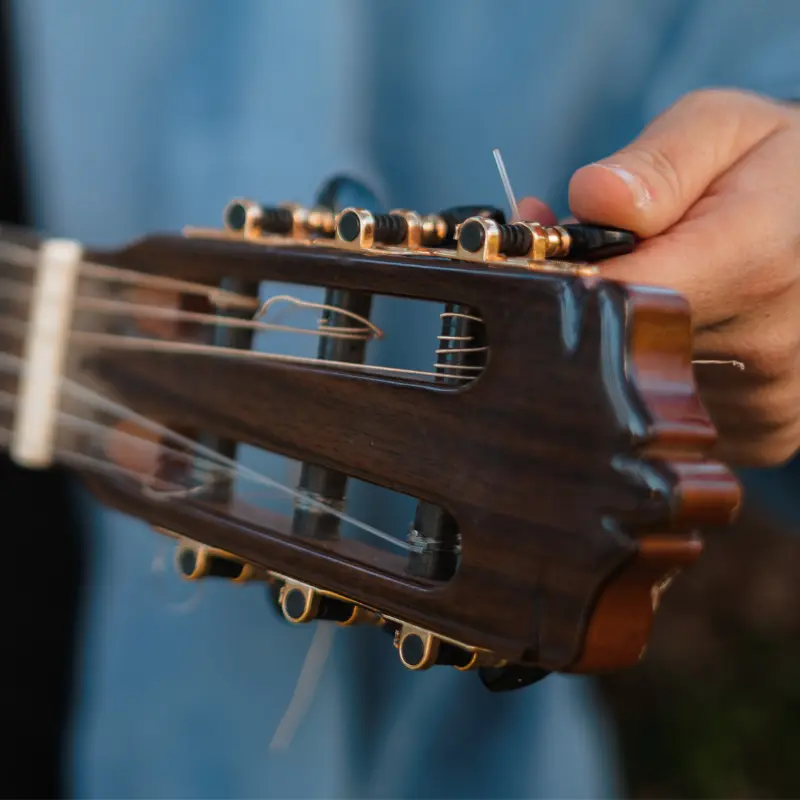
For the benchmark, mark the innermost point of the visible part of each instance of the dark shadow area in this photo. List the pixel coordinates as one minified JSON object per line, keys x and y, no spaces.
{"x":712,"y":710}
{"x":44,"y":555}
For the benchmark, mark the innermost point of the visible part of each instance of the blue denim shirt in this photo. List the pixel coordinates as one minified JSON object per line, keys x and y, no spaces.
{"x":151,"y":115}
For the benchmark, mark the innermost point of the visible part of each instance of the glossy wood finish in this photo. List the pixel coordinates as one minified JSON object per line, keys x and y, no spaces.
{"x":581,"y":470}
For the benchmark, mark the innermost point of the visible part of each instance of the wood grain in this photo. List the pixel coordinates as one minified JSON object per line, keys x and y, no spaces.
{"x":581,"y":472}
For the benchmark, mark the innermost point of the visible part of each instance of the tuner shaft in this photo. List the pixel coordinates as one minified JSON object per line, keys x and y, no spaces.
{"x":434,"y":536}
{"x":453,"y":217}
{"x":289,"y":219}
{"x":326,"y":485}
{"x":484,"y":240}
{"x":361,"y":229}
{"x":240,"y":339}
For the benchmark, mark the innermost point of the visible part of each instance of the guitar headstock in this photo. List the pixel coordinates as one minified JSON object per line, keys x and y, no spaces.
{"x":555,"y":447}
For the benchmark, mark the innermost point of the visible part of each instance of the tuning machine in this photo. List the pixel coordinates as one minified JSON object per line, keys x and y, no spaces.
{"x":486,"y":240}
{"x":420,"y":649}
{"x":301,"y":603}
{"x":253,"y":220}
{"x":360,"y":229}
{"x":195,"y":562}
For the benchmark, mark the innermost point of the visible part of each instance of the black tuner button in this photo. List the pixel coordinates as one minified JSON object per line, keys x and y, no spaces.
{"x":507,"y":679}
{"x":514,"y":241}
{"x":349,"y":226}
{"x":194,"y":564}
{"x":412,"y":650}
{"x":294,"y":605}
{"x":368,"y":229}
{"x":262,"y":218}
{"x":453,"y":217}
{"x":595,"y":243}
{"x":472,"y":236}
{"x":235,"y":216}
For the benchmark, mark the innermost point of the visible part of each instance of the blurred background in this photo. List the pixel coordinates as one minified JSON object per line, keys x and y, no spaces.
{"x":714,"y":710}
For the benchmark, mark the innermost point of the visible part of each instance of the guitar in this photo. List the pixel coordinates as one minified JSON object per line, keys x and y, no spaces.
{"x":556,"y":447}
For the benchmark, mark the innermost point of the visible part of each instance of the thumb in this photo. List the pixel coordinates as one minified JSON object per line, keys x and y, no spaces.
{"x":649,"y":185}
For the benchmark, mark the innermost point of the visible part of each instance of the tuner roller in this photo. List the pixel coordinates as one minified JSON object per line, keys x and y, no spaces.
{"x":451,"y":219}
{"x":287,"y":219}
{"x":194,"y":562}
{"x":300,"y":604}
{"x":242,"y":216}
{"x":359,"y":229}
{"x":483,"y":239}
{"x":419,"y":649}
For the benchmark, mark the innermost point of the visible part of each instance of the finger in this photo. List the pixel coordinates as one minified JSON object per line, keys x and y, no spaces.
{"x":649,"y":185}
{"x":531,"y":209}
{"x":690,"y":261}
{"x":720,"y":274}
{"x":760,"y":409}
{"x":765,"y":339}
{"x":742,"y":449}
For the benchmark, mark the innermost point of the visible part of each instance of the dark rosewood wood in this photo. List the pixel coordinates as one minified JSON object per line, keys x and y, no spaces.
{"x":580,"y":454}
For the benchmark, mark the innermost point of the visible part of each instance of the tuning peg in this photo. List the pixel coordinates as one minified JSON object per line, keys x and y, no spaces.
{"x":300,"y":603}
{"x":194,"y":562}
{"x":420,"y":650}
{"x":484,"y":239}
{"x":287,"y":219}
{"x":595,"y":243}
{"x":439,"y":230}
{"x":359,"y":229}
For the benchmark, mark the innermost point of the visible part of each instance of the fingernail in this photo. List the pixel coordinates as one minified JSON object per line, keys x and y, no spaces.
{"x":640,"y":192}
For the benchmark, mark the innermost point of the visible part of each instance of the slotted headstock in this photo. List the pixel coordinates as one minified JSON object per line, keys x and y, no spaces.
{"x":557,"y":450}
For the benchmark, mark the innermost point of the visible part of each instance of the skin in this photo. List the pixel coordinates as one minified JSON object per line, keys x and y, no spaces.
{"x":712,"y":187}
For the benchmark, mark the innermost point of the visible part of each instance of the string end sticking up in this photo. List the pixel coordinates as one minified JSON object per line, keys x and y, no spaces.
{"x":512,"y":200}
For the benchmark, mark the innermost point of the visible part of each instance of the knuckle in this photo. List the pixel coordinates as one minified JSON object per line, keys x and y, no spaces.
{"x":780,"y":358}
{"x":657,"y":162}
{"x":720,"y":99}
{"x":759,"y":451}
{"x":703,"y":97}
{"x":776,"y":450}
{"x":775,"y":408}
{"x":773,"y":359}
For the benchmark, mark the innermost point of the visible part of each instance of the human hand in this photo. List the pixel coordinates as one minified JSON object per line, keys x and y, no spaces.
{"x":712,"y":187}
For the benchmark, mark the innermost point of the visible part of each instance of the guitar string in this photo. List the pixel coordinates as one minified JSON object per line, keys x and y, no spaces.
{"x":74,"y":390}
{"x":514,"y":208}
{"x":82,"y":461}
{"x":17,"y":290}
{"x":18,"y":255}
{"x":319,"y":650}
{"x":136,"y":344}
